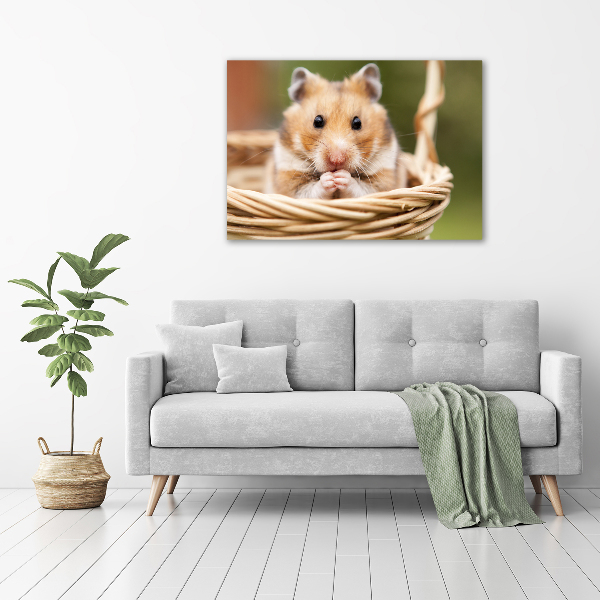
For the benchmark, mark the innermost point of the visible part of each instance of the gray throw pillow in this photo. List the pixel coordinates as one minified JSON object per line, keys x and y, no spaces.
{"x":251,"y":369}
{"x":189,"y":354}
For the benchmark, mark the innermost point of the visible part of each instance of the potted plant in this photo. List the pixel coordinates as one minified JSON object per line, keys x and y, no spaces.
{"x":69,"y":479}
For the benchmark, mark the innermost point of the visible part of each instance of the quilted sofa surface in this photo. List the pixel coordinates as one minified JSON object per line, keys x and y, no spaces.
{"x":342,"y":419}
{"x":319,"y":334}
{"x":493,"y":345}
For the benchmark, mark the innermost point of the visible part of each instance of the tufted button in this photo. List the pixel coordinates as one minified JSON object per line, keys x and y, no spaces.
{"x":483,"y":343}
{"x":296,"y":342}
{"x":412,"y":343}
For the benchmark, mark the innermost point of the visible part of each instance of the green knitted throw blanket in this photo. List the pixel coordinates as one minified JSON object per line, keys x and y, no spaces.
{"x":471,"y":450}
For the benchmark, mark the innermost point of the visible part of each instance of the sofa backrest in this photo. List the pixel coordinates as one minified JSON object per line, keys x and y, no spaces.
{"x":492,"y":345}
{"x":319,"y":334}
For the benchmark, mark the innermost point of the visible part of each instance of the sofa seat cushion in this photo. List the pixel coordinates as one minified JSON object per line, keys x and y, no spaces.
{"x":337,"y":419}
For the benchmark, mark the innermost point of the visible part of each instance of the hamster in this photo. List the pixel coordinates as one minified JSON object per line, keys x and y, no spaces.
{"x":336,"y":140}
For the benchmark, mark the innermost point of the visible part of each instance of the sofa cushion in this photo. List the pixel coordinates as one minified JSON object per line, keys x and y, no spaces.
{"x":319,"y":334}
{"x":493,"y":345}
{"x":313,"y":419}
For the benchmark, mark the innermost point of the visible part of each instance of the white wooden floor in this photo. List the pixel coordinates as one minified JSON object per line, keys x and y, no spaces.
{"x":282,"y":544}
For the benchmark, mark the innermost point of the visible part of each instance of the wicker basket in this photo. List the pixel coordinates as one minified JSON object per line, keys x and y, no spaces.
{"x":63,"y":481}
{"x":407,"y":213}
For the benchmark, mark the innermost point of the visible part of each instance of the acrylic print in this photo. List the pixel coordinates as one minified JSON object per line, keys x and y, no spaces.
{"x":354,"y":150}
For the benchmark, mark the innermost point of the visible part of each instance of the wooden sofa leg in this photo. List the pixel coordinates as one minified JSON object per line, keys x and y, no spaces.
{"x":553,"y":493}
{"x":158,"y":485}
{"x":173,"y":479}
{"x":537,"y":483}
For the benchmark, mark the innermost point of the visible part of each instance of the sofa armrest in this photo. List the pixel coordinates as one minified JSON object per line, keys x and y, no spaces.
{"x":144,"y":386}
{"x":560,"y":382}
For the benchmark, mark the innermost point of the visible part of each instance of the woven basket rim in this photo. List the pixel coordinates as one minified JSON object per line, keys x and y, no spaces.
{"x":67,"y":453}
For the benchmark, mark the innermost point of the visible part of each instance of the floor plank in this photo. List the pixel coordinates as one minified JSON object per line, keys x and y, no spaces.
{"x":116,"y":557}
{"x":386,"y":561}
{"x":216,"y":560}
{"x":243,"y":578}
{"x":17,"y":513}
{"x":27,"y":526}
{"x":11,"y":500}
{"x":352,"y":537}
{"x":180,"y":563}
{"x":91,"y":536}
{"x":524,"y":565}
{"x":137,"y":574}
{"x":494,"y":573}
{"x":578,"y":546}
{"x":459,"y":574}
{"x":283,"y":566}
{"x":567,"y":575}
{"x":352,"y":580}
{"x":577,"y":514}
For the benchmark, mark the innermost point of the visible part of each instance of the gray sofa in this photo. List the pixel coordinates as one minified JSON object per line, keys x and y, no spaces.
{"x":344,"y":358}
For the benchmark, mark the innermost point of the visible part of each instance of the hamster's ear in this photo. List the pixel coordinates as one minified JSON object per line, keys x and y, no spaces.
{"x":371,"y":79}
{"x":298,"y":88}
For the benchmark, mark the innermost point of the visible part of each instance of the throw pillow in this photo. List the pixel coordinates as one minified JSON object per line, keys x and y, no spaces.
{"x":189,"y":354}
{"x":251,"y":369}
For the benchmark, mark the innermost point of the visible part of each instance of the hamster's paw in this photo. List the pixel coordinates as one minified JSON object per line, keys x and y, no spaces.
{"x":342,"y":179}
{"x":328,"y":182}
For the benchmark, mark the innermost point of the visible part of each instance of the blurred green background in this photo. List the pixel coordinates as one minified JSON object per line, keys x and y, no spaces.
{"x":257,"y":95}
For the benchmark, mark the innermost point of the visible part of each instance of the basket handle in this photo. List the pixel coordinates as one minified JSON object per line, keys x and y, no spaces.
{"x":96,"y":448}
{"x":426,"y":118}
{"x":41,"y":441}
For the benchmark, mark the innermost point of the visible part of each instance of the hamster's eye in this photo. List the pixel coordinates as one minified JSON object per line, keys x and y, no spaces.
{"x":356,"y":123}
{"x":319,"y":122}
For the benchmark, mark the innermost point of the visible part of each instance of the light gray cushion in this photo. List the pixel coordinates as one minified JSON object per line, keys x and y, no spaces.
{"x":251,"y":369}
{"x":313,"y":419}
{"x":191,"y":364}
{"x":492,"y":345}
{"x":319,"y":334}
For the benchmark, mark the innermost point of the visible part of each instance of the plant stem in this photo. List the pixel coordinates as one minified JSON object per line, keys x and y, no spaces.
{"x":72,"y":421}
{"x":73,"y":395}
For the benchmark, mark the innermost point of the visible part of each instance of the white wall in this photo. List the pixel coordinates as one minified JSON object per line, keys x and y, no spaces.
{"x":113,"y":120}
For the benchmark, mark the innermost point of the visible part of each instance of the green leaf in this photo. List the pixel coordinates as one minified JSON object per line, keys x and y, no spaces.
{"x":73,"y":342}
{"x":77,"y":263}
{"x":82,"y":362}
{"x":77,"y":299}
{"x":77,"y":384}
{"x":59,"y":365}
{"x":86,"y":315}
{"x":51,"y":350}
{"x":29,"y":284}
{"x":51,"y":276}
{"x":105,"y":245}
{"x":90,"y":279}
{"x":47,"y":304}
{"x":48,"y":320}
{"x":40,"y":333}
{"x":100,"y":296}
{"x":95,"y":330}
{"x":55,"y":380}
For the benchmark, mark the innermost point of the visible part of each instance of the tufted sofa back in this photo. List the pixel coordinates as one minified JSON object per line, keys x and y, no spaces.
{"x":493,"y":345}
{"x":319,"y":334}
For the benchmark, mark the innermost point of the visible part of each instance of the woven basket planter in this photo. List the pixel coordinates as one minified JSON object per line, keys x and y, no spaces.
{"x":406,"y":213}
{"x":63,"y":481}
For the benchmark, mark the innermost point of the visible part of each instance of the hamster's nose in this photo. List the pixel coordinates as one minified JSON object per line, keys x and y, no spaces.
{"x":337,"y":158}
